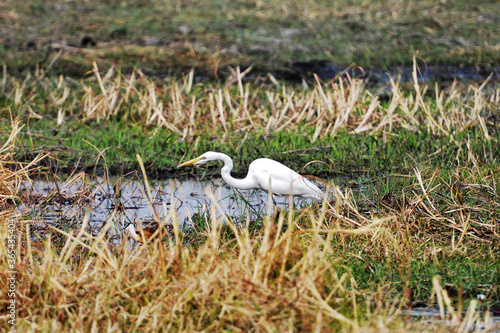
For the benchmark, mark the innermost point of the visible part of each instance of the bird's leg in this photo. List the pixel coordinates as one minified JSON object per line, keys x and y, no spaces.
{"x":276,"y":211}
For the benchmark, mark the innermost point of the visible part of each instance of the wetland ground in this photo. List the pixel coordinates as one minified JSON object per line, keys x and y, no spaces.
{"x":122,"y":91}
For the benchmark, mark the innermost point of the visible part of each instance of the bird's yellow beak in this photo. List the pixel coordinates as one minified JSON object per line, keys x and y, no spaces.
{"x":190,"y":162}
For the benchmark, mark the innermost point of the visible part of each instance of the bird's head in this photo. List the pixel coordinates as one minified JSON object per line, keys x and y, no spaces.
{"x":202,"y":159}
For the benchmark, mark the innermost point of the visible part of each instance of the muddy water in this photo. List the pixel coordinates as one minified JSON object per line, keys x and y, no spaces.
{"x":65,"y":202}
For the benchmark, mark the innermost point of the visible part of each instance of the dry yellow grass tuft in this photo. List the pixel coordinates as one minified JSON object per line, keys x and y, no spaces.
{"x":325,"y":109}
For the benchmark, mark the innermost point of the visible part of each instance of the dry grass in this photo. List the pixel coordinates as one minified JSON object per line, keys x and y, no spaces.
{"x":282,"y":279}
{"x":189,"y":109}
{"x":11,"y":171}
{"x":325,"y":109}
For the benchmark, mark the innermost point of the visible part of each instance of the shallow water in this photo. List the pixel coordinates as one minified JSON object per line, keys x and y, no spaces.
{"x":169,"y":199}
{"x":480,"y":322}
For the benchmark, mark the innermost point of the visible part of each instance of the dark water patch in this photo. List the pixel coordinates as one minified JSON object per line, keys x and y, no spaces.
{"x":328,"y":70}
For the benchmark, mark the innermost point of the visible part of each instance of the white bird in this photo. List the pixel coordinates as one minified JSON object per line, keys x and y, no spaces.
{"x":264,"y":174}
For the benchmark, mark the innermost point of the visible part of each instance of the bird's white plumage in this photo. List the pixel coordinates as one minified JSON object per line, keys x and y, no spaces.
{"x":266,"y":174}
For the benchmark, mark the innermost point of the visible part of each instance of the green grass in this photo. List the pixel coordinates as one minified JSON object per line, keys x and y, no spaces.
{"x":267,"y":35}
{"x":344,"y":154}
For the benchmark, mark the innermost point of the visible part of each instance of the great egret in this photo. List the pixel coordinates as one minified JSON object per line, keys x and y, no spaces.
{"x":264,"y":174}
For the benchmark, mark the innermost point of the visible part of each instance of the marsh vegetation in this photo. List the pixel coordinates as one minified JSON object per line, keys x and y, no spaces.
{"x":412,"y":172}
{"x":416,"y":225}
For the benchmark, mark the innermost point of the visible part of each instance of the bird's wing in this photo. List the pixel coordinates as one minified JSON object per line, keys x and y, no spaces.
{"x":305,"y":188}
{"x":283,"y":180}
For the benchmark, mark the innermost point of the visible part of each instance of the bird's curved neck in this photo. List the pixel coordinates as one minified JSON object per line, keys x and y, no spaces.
{"x":242,"y":184}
